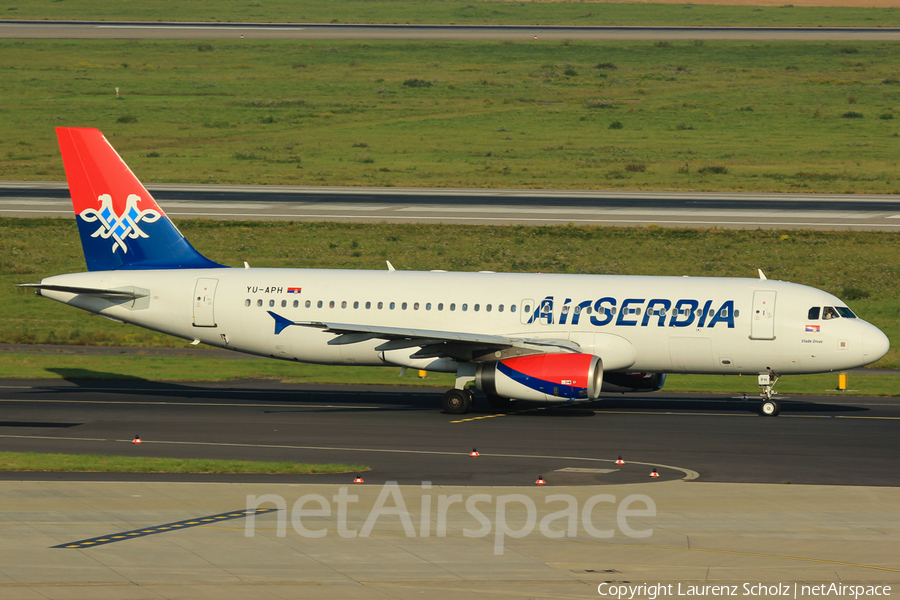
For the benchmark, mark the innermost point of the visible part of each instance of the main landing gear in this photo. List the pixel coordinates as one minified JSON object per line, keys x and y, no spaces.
{"x":458,"y":402}
{"x":770,"y":407}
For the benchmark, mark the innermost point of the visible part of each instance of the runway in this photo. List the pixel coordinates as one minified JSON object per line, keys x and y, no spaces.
{"x":488,"y":206}
{"x":319,"y":31}
{"x":402,"y":435}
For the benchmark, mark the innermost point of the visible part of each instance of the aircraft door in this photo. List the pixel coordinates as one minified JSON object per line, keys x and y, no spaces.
{"x":762,"y":320}
{"x":204,"y":301}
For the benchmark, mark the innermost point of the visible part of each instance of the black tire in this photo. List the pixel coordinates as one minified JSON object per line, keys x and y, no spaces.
{"x":770,"y":408}
{"x":457,"y":402}
{"x":500,"y":403}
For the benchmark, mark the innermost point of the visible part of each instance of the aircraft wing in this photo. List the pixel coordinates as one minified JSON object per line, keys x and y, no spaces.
{"x":432,"y":343}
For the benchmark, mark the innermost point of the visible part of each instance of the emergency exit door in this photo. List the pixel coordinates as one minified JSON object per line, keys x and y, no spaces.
{"x":762,"y":319}
{"x":204,"y":302}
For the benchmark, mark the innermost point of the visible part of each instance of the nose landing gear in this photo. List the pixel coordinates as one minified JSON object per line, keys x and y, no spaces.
{"x":770,"y":407}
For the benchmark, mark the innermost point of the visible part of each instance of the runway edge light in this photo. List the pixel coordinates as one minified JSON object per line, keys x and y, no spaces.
{"x":540,"y":480}
{"x":619,"y":460}
{"x":137,"y":440}
{"x":654,"y":473}
{"x":358,"y":479}
{"x":474,"y":452}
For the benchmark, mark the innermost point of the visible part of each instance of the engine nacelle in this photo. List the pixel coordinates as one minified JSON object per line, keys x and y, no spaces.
{"x":633,"y":382}
{"x":551,"y":377}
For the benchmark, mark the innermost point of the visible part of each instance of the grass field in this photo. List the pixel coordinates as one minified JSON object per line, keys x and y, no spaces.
{"x":153,"y":368}
{"x":94,"y":463}
{"x":461,"y":11}
{"x":631,"y":115}
{"x":860,"y":267}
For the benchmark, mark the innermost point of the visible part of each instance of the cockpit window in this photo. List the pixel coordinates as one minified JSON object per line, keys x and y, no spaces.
{"x":813,"y":313}
{"x":845,"y":312}
{"x":829,"y":313}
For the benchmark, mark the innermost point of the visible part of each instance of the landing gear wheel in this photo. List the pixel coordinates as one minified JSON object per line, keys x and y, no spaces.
{"x":457,"y":402}
{"x":500,"y":403}
{"x":770,"y":408}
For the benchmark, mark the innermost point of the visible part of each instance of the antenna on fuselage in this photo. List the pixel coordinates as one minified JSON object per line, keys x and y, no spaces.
{"x":761,"y":274}
{"x":390,"y":266}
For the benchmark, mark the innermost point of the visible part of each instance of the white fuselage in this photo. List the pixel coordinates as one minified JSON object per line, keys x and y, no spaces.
{"x":747,"y":326}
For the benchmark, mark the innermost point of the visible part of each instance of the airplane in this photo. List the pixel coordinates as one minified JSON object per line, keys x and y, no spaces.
{"x":515,"y":336}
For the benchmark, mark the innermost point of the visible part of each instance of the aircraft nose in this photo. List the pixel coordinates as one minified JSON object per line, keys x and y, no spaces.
{"x":875,"y":344}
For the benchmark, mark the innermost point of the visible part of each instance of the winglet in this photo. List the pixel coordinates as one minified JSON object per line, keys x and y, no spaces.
{"x":281,"y":323}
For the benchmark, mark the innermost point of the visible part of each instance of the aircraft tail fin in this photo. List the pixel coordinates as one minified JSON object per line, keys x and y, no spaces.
{"x":120,"y":224}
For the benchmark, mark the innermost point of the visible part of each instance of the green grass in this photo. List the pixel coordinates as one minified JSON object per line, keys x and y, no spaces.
{"x":722,"y":116}
{"x":93,"y":463}
{"x":152,"y":368}
{"x":861,"y":267}
{"x":156,"y":368}
{"x":462,"y":11}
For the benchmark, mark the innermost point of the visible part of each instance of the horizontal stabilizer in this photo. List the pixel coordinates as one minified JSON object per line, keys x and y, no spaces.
{"x":125,"y":292}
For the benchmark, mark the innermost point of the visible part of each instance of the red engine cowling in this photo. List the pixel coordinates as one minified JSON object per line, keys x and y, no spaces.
{"x":543,"y":377}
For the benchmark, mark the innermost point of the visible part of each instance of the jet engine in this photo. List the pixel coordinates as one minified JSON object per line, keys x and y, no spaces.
{"x":633,"y":382}
{"x":551,"y":377}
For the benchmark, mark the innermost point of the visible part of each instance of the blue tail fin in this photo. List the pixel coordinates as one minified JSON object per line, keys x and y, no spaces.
{"x":121,"y":225}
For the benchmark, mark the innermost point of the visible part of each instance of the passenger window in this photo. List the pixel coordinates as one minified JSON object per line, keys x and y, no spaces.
{"x":380,"y":305}
{"x":308,"y":304}
{"x":416,"y":306}
{"x":465,"y":306}
{"x":452,"y":306}
{"x":589,"y":310}
{"x":477,"y":307}
{"x":829,"y":313}
{"x":565,"y":309}
{"x":319,"y":304}
{"x":393,"y":305}
{"x":331,"y":304}
{"x":259,"y":302}
{"x":355,"y":304}
{"x":441,"y":306}
{"x":428,"y":306}
{"x":247,"y":302}
{"x":296,"y":303}
{"x":577,"y":310}
{"x":344,"y":304}
{"x":283,"y":303}
{"x":737,"y":313}
{"x":488,"y":308}
{"x":724,"y":313}
{"x":403,"y":306}
{"x":500,"y":308}
{"x":368,"y":305}
{"x":813,"y":313}
{"x":527,"y":308}
{"x":512,"y":308}
{"x":271,"y":304}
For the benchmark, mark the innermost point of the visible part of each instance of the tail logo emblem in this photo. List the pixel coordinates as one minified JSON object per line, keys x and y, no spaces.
{"x":119,"y":227}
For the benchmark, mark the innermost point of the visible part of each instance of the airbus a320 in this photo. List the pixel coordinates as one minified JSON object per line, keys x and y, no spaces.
{"x":516,"y":336}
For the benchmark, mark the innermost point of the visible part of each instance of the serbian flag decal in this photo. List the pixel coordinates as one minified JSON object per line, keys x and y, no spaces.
{"x":294,"y":290}
{"x":812,"y":329}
